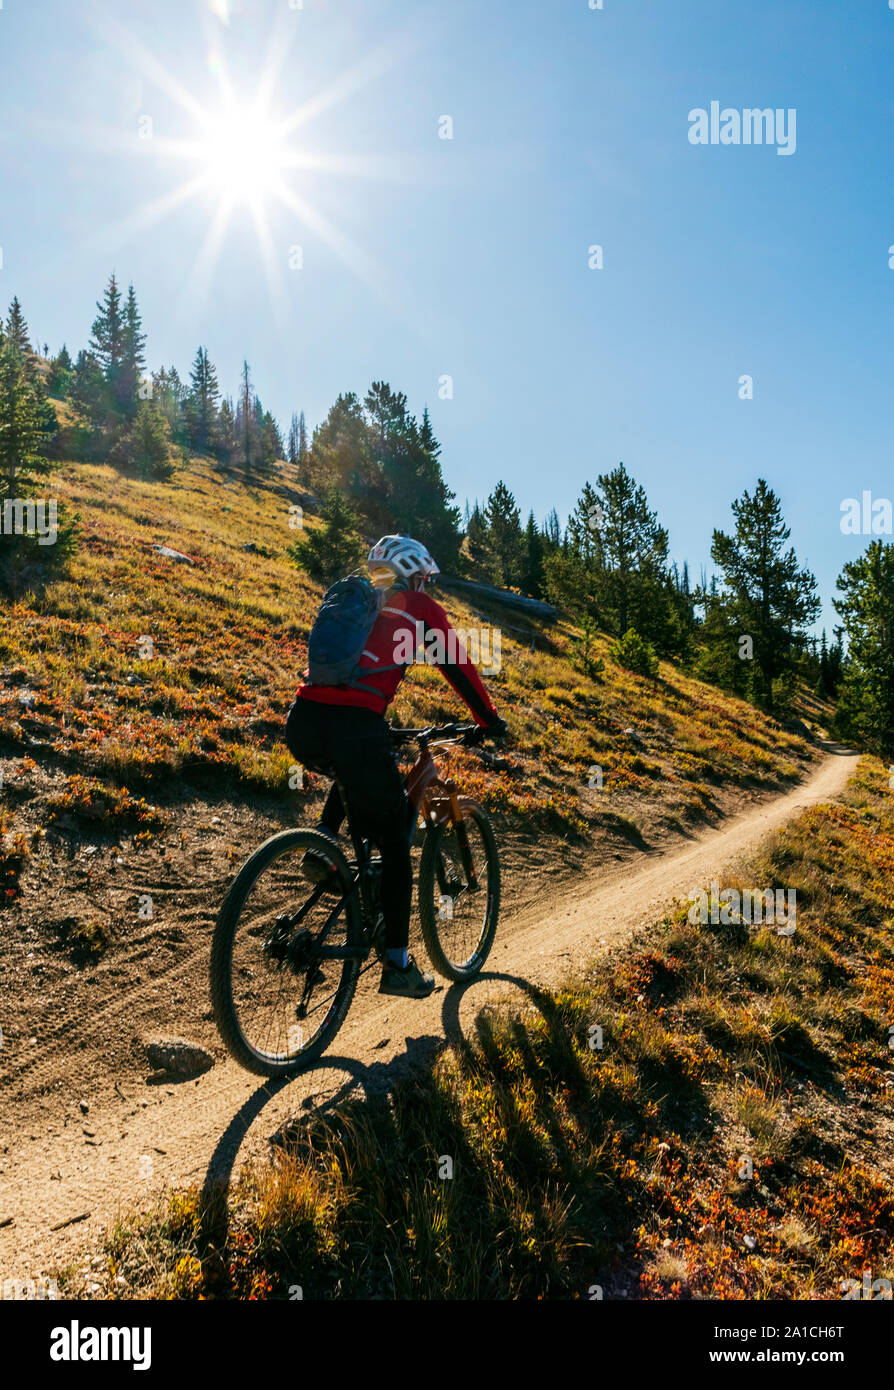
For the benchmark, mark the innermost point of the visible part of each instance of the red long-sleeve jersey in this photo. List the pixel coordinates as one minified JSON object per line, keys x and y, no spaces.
{"x":409,"y":619}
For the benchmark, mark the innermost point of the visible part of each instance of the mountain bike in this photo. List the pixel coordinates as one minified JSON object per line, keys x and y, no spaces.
{"x":287,"y":954}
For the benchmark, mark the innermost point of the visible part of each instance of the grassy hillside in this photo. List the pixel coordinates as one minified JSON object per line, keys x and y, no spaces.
{"x":79,"y":699}
{"x":618,"y":1169}
{"x":125,"y":770}
{"x":124,"y":766}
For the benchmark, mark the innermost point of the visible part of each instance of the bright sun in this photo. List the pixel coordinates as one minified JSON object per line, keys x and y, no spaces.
{"x":243,"y":155}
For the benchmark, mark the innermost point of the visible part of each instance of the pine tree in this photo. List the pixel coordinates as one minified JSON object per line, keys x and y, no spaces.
{"x":476,"y":542}
{"x":170,"y":397}
{"x":20,"y":429}
{"x":303,"y":450}
{"x":767,"y":595}
{"x":87,"y":390}
{"x":332,"y":550}
{"x":387,"y":485}
{"x":293,"y":440}
{"x":532,"y":576}
{"x":133,"y":359}
{"x":27,"y":421}
{"x":611,"y":567}
{"x":427,"y":436}
{"x":437,"y":514}
{"x":245,"y":418}
{"x":108,"y":341}
{"x":584,"y":537}
{"x":270,"y":441}
{"x":202,"y":401}
{"x":387,"y":466}
{"x":634,"y":547}
{"x":387,"y":412}
{"x":340,"y":456}
{"x":267,"y":443}
{"x":865,"y":712}
{"x":822,"y":684}
{"x":60,"y":373}
{"x":46,"y":414}
{"x":504,"y":536}
{"x":552,"y":530}
{"x":17,"y":329}
{"x":225,"y":430}
{"x":836,"y":659}
{"x":144,"y":445}
{"x":575,"y":567}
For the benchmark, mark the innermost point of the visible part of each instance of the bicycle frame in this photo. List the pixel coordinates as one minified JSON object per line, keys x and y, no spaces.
{"x":437,"y":800}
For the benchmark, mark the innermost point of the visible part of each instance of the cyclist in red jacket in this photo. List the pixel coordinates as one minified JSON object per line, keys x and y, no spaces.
{"x":341,"y":731}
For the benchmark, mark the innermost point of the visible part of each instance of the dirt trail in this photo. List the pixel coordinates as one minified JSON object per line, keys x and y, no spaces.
{"x":144,"y":1137}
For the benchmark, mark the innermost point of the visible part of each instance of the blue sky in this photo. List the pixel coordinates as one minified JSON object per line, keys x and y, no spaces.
{"x":469,"y":257}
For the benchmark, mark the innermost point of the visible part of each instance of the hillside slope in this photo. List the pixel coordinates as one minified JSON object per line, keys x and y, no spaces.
{"x":136,"y":778}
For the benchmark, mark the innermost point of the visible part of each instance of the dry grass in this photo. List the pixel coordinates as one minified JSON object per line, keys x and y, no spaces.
{"x":228,"y":637}
{"x":728,"y":1140}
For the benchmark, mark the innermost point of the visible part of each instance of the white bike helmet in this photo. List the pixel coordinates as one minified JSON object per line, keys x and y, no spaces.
{"x":403,"y":557}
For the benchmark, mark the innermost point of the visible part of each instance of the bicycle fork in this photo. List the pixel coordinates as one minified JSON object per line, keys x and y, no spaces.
{"x":437,"y":801}
{"x":465,"y":854}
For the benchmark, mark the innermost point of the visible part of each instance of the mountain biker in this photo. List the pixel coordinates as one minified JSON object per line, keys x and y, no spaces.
{"x":340,"y":730}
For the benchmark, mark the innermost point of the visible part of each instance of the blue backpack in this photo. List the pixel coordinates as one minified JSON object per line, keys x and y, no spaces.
{"x":340,"y":633}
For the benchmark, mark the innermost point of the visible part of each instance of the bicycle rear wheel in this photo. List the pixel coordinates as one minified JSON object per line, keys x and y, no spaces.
{"x":278,"y":1003}
{"x":459,"y":894}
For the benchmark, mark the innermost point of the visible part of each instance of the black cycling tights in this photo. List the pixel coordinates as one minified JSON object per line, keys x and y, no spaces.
{"x":354,"y":744}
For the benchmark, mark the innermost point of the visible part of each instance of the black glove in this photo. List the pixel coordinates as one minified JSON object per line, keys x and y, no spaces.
{"x":496,"y":728}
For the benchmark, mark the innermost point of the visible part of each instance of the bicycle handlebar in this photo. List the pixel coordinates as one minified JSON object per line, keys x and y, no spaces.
{"x":468,"y":734}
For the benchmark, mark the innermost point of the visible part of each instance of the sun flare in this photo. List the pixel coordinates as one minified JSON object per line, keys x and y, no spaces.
{"x":242,"y":155}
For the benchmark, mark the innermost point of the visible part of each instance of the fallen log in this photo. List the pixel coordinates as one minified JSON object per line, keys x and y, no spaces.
{"x":534,"y":606}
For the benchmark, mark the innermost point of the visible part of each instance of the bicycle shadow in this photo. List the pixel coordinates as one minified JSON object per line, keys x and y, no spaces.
{"x":454,"y":1033}
{"x":363,"y":1082}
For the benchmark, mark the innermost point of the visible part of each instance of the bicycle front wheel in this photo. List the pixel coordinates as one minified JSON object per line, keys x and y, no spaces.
{"x":459,"y":893}
{"x":278,"y":1002}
